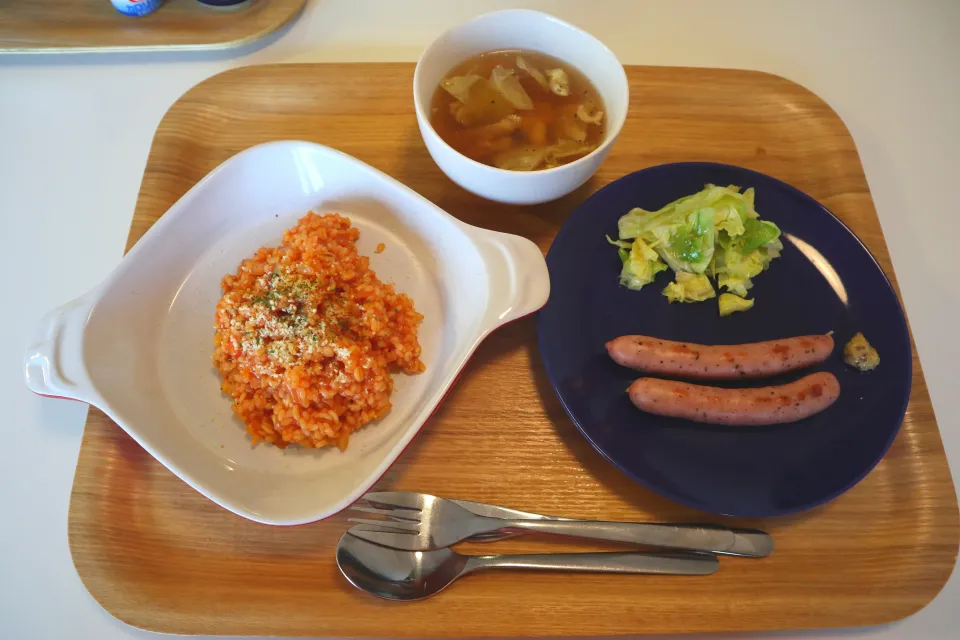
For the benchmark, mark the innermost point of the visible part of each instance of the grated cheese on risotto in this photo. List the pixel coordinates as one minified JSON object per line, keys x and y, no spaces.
{"x":307,"y":335}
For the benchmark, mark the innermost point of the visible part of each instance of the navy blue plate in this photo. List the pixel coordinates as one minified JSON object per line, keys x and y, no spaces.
{"x":826,"y":280}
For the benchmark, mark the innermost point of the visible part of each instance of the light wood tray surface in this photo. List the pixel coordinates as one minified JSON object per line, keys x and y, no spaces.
{"x":81,"y":26}
{"x":157,"y":555}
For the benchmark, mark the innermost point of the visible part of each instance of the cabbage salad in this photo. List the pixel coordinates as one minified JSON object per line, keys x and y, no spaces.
{"x":713,"y":235}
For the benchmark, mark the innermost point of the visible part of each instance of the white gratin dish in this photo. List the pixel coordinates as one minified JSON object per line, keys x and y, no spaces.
{"x":139,"y":346}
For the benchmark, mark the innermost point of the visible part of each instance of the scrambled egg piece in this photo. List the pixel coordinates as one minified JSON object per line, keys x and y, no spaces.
{"x":860,"y":355}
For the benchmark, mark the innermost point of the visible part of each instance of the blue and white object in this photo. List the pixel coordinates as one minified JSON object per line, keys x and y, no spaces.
{"x":136,"y":7}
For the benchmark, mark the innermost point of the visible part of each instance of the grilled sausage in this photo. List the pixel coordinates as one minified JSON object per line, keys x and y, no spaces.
{"x":738,"y":407}
{"x":724,"y":362}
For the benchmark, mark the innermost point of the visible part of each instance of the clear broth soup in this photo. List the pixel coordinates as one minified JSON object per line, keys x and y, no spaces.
{"x":518,"y":110}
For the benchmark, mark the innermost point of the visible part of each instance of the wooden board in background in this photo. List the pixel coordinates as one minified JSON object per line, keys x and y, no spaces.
{"x":158,"y":555}
{"x":82,"y":26}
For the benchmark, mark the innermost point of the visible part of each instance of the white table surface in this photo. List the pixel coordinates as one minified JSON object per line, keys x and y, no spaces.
{"x":75,"y":132}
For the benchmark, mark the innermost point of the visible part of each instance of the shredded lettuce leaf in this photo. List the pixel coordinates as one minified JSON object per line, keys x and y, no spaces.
{"x":640,"y":266}
{"x":729,"y":303}
{"x":689,"y":287}
{"x":735,"y":268}
{"x":690,"y":245}
{"x":728,"y":218}
{"x":685,"y":243}
{"x":714,"y":233}
{"x":758,"y":233}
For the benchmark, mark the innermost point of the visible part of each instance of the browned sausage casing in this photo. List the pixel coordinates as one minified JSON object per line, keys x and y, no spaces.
{"x":724,"y":362}
{"x":739,"y":407}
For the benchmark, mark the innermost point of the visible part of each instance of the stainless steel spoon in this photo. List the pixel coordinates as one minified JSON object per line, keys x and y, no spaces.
{"x":413,"y":575}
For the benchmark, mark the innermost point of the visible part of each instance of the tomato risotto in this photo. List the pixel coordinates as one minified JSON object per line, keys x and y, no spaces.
{"x":307,"y":335}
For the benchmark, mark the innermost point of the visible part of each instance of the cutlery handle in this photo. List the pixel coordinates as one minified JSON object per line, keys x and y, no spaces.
{"x":669,"y":536}
{"x":676,"y":564}
{"x":749,"y":543}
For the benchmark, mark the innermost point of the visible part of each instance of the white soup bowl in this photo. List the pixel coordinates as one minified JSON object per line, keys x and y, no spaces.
{"x":530,"y":31}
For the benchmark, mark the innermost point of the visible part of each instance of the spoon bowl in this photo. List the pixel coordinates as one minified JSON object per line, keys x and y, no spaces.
{"x":397,"y":575}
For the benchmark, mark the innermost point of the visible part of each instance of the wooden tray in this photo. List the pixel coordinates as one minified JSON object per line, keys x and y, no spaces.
{"x":157,"y":555}
{"x":81,"y":26}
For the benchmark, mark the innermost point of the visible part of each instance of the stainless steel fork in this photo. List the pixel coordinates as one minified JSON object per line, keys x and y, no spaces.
{"x":421,"y":522}
{"x":749,"y":543}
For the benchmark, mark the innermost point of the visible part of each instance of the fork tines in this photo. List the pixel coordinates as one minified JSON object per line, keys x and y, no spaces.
{"x":397,"y":519}
{"x":393,"y":514}
{"x":412,"y":527}
{"x":395,"y":499}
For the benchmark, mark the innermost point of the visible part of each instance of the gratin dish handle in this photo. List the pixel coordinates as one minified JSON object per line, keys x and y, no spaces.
{"x":519,"y":281}
{"x":53,"y":362}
